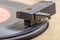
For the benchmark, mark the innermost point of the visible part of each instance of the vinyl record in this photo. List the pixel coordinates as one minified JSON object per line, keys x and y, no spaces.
{"x":12,"y":28}
{"x":9,"y":22}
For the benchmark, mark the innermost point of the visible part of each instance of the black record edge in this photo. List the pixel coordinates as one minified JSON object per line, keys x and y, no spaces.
{"x":27,"y":31}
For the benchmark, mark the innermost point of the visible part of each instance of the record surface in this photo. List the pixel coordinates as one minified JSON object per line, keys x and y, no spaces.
{"x":11,"y":25}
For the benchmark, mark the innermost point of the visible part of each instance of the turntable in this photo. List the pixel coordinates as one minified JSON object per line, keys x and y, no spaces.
{"x":19,"y":21}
